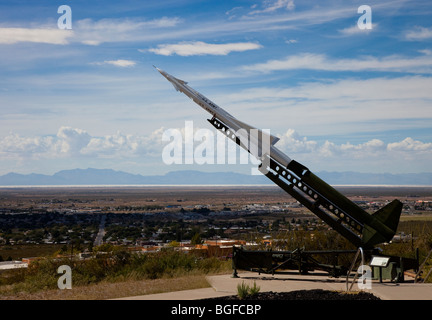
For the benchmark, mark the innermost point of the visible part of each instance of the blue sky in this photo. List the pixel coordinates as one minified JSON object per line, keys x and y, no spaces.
{"x":339,"y":97}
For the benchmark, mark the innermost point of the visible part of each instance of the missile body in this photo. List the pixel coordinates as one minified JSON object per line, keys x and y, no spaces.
{"x":259,"y":142}
{"x":327,"y":203}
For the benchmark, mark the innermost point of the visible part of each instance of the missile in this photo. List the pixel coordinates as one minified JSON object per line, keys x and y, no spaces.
{"x":256,"y":141}
{"x":351,"y":221}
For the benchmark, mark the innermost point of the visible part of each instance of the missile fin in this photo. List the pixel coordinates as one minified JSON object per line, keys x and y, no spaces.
{"x":389,"y":217}
{"x":181,"y":81}
{"x":273,"y":139}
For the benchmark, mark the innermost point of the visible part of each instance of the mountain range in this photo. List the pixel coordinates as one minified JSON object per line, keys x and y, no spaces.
{"x":92,"y":176}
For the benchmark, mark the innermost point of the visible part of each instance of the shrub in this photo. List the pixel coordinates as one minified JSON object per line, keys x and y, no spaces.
{"x":244,"y":291}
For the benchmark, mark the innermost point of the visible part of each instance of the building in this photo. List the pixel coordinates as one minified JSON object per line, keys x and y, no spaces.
{"x":8,"y":265}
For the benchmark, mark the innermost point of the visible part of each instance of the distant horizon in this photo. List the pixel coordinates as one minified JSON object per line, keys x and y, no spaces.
{"x":204,"y":171}
{"x":202,"y":185}
{"x":109,"y":177}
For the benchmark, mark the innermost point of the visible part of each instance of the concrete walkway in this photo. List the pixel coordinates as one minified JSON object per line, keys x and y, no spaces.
{"x":225,"y":285}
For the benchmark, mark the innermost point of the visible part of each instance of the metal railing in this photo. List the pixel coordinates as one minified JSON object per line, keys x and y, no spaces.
{"x":359,"y":251}
{"x":420,"y":271}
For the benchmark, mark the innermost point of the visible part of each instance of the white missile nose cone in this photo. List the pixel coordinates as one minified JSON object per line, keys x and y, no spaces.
{"x":166,"y":75}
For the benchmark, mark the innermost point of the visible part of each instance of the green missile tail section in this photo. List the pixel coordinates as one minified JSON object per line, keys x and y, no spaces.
{"x":383,"y":225}
{"x":347,"y":218}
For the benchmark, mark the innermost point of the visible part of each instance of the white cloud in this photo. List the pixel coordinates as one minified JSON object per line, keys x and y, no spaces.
{"x":120,"y":30}
{"x":163,"y":22}
{"x":75,"y":143}
{"x":14,"y":146}
{"x":369,"y":149}
{"x":419,"y":34}
{"x":118,"y":63}
{"x":427,"y":52}
{"x":124,"y":145}
{"x":38,"y":35}
{"x":292,"y":142}
{"x":355,"y":30}
{"x":329,"y":154}
{"x":202,"y":48}
{"x":70,"y":141}
{"x":410,"y":145}
{"x":272,"y":6}
{"x":233,"y":12}
{"x":80,"y":147}
{"x":90,"y":32}
{"x":314,"y":61}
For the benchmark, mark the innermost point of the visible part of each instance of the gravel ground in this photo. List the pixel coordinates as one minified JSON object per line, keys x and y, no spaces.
{"x":317,"y":294}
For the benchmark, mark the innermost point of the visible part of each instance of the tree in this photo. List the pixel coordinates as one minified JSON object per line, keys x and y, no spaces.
{"x":64,"y":249}
{"x":174,"y":244}
{"x":196,"y":239}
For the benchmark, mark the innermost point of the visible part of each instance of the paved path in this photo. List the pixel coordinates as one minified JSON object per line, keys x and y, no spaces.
{"x":225,"y":285}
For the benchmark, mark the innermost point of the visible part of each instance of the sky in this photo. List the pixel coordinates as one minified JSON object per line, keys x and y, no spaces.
{"x":78,"y":88}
